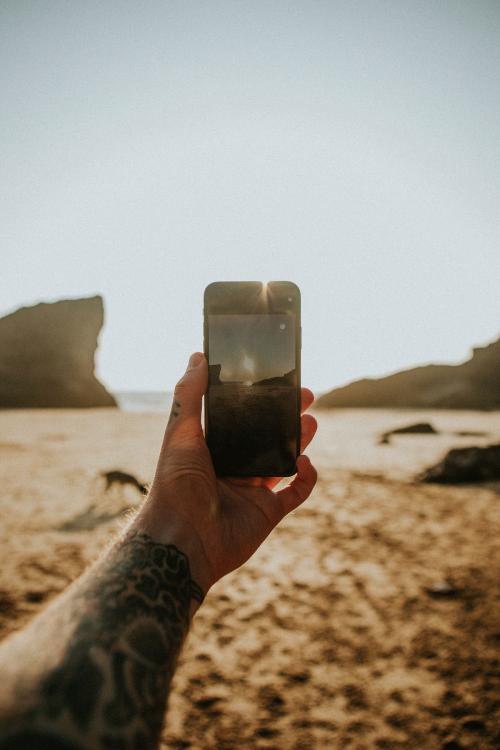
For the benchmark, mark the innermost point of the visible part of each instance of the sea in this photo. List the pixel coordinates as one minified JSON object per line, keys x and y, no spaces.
{"x":144,"y":401}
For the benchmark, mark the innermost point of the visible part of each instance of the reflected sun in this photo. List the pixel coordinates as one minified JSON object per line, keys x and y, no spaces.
{"x":248,"y":367}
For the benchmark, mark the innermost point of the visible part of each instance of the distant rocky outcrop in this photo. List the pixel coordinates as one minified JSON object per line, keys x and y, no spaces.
{"x":287,"y":379}
{"x":419,"y":428}
{"x":47,"y":355}
{"x":475,"y":384}
{"x":475,"y":464}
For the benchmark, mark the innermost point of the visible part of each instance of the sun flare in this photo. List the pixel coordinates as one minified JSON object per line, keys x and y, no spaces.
{"x":248,"y":367}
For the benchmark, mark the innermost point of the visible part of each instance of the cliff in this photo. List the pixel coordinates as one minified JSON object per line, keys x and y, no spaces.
{"x":475,"y":384}
{"x":214,"y":374}
{"x":287,"y":379}
{"x":47,"y":355}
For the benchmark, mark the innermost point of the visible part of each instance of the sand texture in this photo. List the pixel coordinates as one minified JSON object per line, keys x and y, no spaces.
{"x":369,"y":619}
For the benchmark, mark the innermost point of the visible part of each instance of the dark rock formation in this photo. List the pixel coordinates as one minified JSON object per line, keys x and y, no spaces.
{"x":47,"y":356}
{"x":419,"y":428}
{"x":214,"y":374}
{"x":471,"y":433}
{"x":475,"y":384}
{"x":462,"y":465}
{"x":287,"y":379}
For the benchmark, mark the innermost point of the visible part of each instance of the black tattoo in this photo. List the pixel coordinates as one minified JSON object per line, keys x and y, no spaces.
{"x":196,"y":592}
{"x":174,"y":412}
{"x":111,"y":687}
{"x":33,"y":740}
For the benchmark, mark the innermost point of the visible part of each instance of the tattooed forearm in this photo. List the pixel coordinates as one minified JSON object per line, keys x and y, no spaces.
{"x":110,"y":687}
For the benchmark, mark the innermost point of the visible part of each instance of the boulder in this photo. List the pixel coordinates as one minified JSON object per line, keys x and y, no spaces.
{"x":47,"y":355}
{"x":419,"y":428}
{"x":475,"y":384}
{"x":461,"y":465}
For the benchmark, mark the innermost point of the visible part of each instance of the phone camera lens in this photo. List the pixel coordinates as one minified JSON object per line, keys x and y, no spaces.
{"x":290,"y":299}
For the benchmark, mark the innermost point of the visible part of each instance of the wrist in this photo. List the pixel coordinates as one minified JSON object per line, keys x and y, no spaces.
{"x":171,"y":529}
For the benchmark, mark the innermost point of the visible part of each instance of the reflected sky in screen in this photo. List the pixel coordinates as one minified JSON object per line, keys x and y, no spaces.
{"x":252,"y":347}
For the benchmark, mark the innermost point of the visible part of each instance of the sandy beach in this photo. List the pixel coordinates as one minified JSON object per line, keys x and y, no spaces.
{"x":369,"y":619}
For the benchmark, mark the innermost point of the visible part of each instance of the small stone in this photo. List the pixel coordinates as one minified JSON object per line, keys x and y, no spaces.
{"x":207,"y":702}
{"x":35,"y":596}
{"x":442,"y":590}
{"x":452,"y":745}
{"x":474,"y":724}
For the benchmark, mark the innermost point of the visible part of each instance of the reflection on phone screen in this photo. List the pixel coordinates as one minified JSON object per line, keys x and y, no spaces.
{"x":252,"y":392}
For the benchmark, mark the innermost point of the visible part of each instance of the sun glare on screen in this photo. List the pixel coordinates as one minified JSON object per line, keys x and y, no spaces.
{"x":248,"y":366}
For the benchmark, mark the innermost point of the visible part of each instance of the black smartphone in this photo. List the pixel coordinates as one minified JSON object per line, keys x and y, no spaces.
{"x":252,"y":341}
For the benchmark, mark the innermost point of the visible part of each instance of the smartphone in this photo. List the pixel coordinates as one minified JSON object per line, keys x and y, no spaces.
{"x":252,"y":342}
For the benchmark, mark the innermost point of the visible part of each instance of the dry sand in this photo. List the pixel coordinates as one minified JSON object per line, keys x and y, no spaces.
{"x":328,"y":637}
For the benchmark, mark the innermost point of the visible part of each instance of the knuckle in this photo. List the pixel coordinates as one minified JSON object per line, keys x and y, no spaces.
{"x":180,"y":387}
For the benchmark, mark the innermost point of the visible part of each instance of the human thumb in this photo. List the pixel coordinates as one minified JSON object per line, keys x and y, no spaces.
{"x":185,"y":416}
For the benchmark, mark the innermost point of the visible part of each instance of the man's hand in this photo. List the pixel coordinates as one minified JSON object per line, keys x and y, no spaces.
{"x":218,"y":523}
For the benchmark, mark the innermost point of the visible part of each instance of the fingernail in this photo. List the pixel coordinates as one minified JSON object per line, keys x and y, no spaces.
{"x":194,"y":360}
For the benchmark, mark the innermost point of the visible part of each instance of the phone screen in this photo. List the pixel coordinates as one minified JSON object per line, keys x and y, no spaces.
{"x":252,"y":399}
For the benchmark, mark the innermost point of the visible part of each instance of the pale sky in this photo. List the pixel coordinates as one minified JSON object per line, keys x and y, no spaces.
{"x":150,"y":148}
